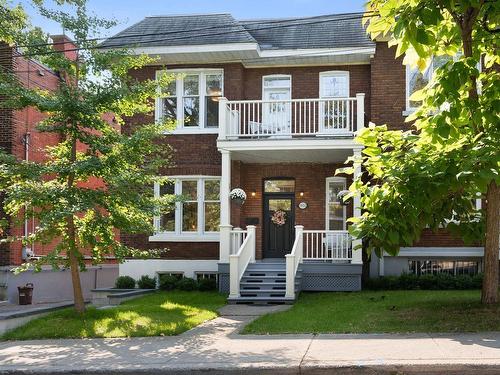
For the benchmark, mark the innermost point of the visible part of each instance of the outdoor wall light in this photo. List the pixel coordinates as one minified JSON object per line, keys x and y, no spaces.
{"x":301,"y":193}
{"x":254,"y":193}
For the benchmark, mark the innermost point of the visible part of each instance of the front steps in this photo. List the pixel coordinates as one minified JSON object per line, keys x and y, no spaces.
{"x":265,"y":283}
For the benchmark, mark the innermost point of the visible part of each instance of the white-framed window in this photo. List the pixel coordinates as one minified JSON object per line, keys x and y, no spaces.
{"x":206,"y":275}
{"x":197,"y":216}
{"x":335,"y":212}
{"x":416,"y":80}
{"x":334,"y":84}
{"x":334,"y":116}
{"x":192,"y":99}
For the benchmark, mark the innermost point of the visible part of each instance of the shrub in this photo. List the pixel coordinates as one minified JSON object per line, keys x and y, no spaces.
{"x":440,"y":281}
{"x":187,"y":284}
{"x":146,"y":282}
{"x":168,"y":282}
{"x":207,"y":284}
{"x":125,"y":282}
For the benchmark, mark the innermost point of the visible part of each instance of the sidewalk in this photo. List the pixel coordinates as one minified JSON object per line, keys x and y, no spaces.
{"x":217,"y":346}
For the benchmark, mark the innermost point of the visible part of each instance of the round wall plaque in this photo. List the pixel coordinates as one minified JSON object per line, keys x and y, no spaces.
{"x":302,"y":205}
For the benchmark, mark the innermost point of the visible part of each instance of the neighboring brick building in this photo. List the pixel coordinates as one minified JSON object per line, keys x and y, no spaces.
{"x":272,"y":107}
{"x":19,"y":136}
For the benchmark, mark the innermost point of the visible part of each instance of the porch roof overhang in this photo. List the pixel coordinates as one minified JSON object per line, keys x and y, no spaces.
{"x":290,"y":151}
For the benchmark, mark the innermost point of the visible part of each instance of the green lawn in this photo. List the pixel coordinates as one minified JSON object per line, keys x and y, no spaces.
{"x":382,"y":311}
{"x":161,"y":313}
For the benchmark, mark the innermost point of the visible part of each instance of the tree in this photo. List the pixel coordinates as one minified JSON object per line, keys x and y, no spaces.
{"x":430,"y":175}
{"x":97,"y":180}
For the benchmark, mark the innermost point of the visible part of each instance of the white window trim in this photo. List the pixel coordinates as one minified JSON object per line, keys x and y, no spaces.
{"x":178,"y":234}
{"x":327,"y":201}
{"x":264,"y":88}
{"x":179,"y":87}
{"x":338,"y":73}
{"x":409,"y":110}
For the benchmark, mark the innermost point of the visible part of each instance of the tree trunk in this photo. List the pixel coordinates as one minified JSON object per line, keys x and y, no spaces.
{"x":489,"y":293}
{"x":74,"y":267}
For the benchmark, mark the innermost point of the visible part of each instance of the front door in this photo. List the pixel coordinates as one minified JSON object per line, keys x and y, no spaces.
{"x":279,"y":219}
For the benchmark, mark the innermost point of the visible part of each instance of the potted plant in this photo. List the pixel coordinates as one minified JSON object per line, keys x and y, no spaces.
{"x":238,"y":196}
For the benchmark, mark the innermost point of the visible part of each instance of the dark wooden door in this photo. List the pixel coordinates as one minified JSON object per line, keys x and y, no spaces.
{"x":278,"y":239}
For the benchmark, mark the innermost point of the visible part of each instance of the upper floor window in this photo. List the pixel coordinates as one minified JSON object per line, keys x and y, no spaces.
{"x":417,"y":80}
{"x":192,"y":99}
{"x":334,"y":84}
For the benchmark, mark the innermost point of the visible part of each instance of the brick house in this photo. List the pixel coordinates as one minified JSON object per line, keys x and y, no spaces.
{"x":19,"y":136}
{"x":272,"y":107}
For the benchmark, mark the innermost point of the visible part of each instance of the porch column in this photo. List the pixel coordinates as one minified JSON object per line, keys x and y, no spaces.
{"x":360,"y":111}
{"x":225,"y":208}
{"x":357,"y":255}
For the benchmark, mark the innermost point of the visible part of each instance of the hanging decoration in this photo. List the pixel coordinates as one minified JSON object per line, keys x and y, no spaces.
{"x":279,"y":218}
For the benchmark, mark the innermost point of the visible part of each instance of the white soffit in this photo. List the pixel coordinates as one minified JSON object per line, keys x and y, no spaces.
{"x":250,"y":55}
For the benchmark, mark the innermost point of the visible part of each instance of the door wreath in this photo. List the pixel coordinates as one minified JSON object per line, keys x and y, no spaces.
{"x":279,"y":217}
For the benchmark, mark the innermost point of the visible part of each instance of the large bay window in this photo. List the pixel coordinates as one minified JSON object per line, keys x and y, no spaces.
{"x":197,"y":216}
{"x":192,"y":100}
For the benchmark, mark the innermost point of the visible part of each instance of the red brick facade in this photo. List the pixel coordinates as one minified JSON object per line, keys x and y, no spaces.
{"x":14,"y":128}
{"x":382,"y":81}
{"x":17,"y":126}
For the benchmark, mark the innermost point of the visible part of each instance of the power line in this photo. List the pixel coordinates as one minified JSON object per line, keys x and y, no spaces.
{"x":225,"y":32}
{"x":239,"y":26}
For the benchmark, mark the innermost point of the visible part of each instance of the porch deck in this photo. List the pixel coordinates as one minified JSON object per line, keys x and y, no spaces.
{"x":319,"y":260}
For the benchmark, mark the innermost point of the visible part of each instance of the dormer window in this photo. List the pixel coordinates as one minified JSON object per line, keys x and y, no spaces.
{"x":192,"y":100}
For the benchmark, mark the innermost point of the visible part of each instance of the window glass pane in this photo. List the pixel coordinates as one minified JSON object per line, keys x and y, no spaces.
{"x":191,"y":85}
{"x":191,"y":111}
{"x":212,"y":217}
{"x":212,"y":111}
{"x":277,"y":82}
{"x":167,"y":188}
{"x":212,"y":190}
{"x":334,"y":86}
{"x":170,"y":89}
{"x":417,"y":81}
{"x":280,"y":204}
{"x":279,"y":186}
{"x":334,"y":188}
{"x":189,"y":189}
{"x":167,"y":222}
{"x":170,"y":108}
{"x":214,"y":84}
{"x":190,"y":217}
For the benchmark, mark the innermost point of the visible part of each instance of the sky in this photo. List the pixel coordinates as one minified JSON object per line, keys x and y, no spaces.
{"x":128,"y":12}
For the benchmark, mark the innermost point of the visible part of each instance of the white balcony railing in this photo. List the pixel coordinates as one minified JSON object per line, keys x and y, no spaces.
{"x":327,"y":245}
{"x":238,"y":262}
{"x":290,"y":118}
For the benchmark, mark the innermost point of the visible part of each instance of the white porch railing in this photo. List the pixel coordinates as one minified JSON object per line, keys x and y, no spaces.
{"x":238,"y":262}
{"x":237,"y":237}
{"x":290,"y":118}
{"x":293,"y":260}
{"x":327,"y":245}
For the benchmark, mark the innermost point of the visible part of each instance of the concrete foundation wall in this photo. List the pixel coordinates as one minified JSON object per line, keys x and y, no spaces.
{"x":136,"y":268}
{"x":56,"y":286}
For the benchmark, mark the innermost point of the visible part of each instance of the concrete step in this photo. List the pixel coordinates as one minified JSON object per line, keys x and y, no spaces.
{"x":261,"y":300}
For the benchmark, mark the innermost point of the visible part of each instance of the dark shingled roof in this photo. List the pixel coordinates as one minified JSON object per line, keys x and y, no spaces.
{"x":216,"y":31}
{"x":330,"y":31}
{"x":333,"y":31}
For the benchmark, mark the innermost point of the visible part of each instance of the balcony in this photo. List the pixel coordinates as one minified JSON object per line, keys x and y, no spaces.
{"x":290,"y":119}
